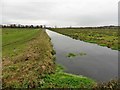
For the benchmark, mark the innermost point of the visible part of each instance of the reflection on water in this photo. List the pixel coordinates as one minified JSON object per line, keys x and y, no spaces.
{"x":99,"y":63}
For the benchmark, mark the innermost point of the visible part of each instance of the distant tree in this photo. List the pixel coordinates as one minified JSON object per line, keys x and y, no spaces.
{"x":31,"y":26}
{"x":13,"y":25}
{"x":41,"y":26}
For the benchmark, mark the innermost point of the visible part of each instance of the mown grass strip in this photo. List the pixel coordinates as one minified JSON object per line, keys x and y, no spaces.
{"x":14,"y":40}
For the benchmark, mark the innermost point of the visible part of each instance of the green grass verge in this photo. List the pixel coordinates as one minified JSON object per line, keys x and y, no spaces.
{"x":61,"y":79}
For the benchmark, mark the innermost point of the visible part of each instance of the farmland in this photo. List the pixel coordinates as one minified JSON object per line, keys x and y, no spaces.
{"x":101,"y":36}
{"x":28,"y":61}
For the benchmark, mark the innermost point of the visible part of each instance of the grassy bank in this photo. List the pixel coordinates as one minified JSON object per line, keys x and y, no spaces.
{"x":61,"y":79}
{"x":27,"y":57}
{"x":104,"y":37}
{"x":28,"y":62}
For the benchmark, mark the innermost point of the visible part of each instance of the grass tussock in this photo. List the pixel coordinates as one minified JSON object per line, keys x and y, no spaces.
{"x":111,"y":85}
{"x":71,"y":55}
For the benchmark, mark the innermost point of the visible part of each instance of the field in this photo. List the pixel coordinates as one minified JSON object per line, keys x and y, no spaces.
{"x":101,"y":36}
{"x":28,"y":61}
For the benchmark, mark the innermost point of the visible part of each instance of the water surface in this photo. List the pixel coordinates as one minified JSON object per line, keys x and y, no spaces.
{"x":100,"y":63}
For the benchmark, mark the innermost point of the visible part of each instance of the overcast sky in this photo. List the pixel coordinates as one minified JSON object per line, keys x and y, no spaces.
{"x":60,"y":12}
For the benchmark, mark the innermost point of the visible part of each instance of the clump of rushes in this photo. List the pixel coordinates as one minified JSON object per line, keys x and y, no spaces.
{"x":53,"y":52}
{"x":82,"y":54}
{"x":111,"y":85}
{"x":71,"y":55}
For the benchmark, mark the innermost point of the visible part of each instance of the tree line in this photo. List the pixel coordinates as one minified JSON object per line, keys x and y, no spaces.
{"x":22,"y":26}
{"x":43,"y":26}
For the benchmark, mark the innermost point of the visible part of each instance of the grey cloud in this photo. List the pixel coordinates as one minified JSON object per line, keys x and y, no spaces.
{"x":60,"y":12}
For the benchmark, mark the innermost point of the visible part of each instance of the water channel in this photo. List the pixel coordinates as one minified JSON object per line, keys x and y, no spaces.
{"x":99,"y":63}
